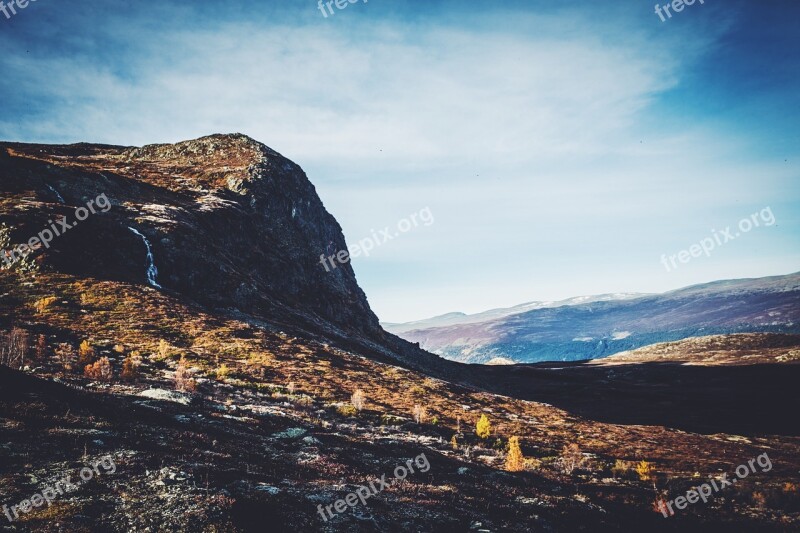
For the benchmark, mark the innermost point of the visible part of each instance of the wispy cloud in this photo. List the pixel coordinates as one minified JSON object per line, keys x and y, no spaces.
{"x":537,"y":136}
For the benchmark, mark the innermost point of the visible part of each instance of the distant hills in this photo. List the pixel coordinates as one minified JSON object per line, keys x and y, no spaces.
{"x":591,"y":327}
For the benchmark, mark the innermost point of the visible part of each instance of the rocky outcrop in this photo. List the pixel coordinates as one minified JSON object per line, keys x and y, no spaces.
{"x":232,"y":225}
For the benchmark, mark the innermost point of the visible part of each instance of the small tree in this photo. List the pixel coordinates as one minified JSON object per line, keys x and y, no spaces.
{"x":14,"y":348}
{"x":163,"y":348}
{"x":358,"y":399}
{"x":645,"y":470}
{"x":515,"y":461}
{"x":571,"y":458}
{"x":101,"y":370}
{"x":130,"y":367}
{"x":85,"y":353}
{"x":483,"y":428}
{"x":65,"y":355}
{"x":41,"y":348}
{"x":183,"y":379}
{"x":420,"y":413}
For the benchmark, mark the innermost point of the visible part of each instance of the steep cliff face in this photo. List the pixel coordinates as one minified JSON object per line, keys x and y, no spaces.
{"x":229,"y":223}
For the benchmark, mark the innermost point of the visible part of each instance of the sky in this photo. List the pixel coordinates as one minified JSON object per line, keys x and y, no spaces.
{"x":563,"y":148}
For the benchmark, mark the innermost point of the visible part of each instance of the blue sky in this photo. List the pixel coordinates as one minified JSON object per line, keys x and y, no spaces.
{"x":562,"y":147}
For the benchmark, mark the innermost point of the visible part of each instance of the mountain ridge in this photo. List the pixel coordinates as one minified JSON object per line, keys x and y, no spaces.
{"x":233,"y":224}
{"x":593,"y":329}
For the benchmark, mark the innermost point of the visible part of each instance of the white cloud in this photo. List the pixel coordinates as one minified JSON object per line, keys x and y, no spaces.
{"x":536,"y":150}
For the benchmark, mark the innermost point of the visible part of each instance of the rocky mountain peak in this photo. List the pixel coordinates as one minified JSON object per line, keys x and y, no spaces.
{"x":223,"y":220}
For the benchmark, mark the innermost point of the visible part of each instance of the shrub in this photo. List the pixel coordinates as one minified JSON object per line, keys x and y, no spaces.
{"x":101,"y":370}
{"x":130,"y":367}
{"x":303,"y":401}
{"x":85,"y":353}
{"x":515,"y":461}
{"x":357,"y":400}
{"x":65,"y":355}
{"x":454,"y":442}
{"x":291,"y":387}
{"x":417,"y":391}
{"x":645,"y":470}
{"x":621,"y":468}
{"x":347,"y":410}
{"x":531,"y":463}
{"x":759,"y":499}
{"x":183,"y":378}
{"x":43,"y":304}
{"x":257,"y":365}
{"x":120,"y":349}
{"x":164,"y":349}
{"x":223,"y":372}
{"x":571,"y":458}
{"x":435,"y":420}
{"x":390,"y":420}
{"x":41,"y":348}
{"x":483,"y":428}
{"x":420,"y":413}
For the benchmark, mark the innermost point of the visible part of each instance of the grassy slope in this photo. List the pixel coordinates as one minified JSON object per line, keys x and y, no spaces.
{"x":227,"y":448}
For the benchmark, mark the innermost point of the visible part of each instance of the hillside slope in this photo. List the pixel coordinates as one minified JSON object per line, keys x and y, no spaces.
{"x":236,"y":389}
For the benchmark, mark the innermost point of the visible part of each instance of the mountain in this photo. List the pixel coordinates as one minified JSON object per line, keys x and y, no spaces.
{"x":595,"y":327}
{"x":174,"y":322}
{"x":458,"y":318}
{"x":226,"y":221}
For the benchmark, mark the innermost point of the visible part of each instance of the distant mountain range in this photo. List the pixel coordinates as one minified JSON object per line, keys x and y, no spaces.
{"x":589,"y":327}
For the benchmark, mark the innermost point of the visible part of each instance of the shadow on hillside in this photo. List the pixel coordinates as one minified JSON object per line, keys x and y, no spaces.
{"x":744,"y":400}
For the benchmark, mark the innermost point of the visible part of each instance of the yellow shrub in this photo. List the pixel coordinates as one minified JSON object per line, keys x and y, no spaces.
{"x":163,"y":348}
{"x":621,"y":468}
{"x":223,"y":371}
{"x":347,"y":410}
{"x":85,"y":353}
{"x":483,"y":428}
{"x":645,"y":470}
{"x":515,"y":461}
{"x":43,"y":304}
